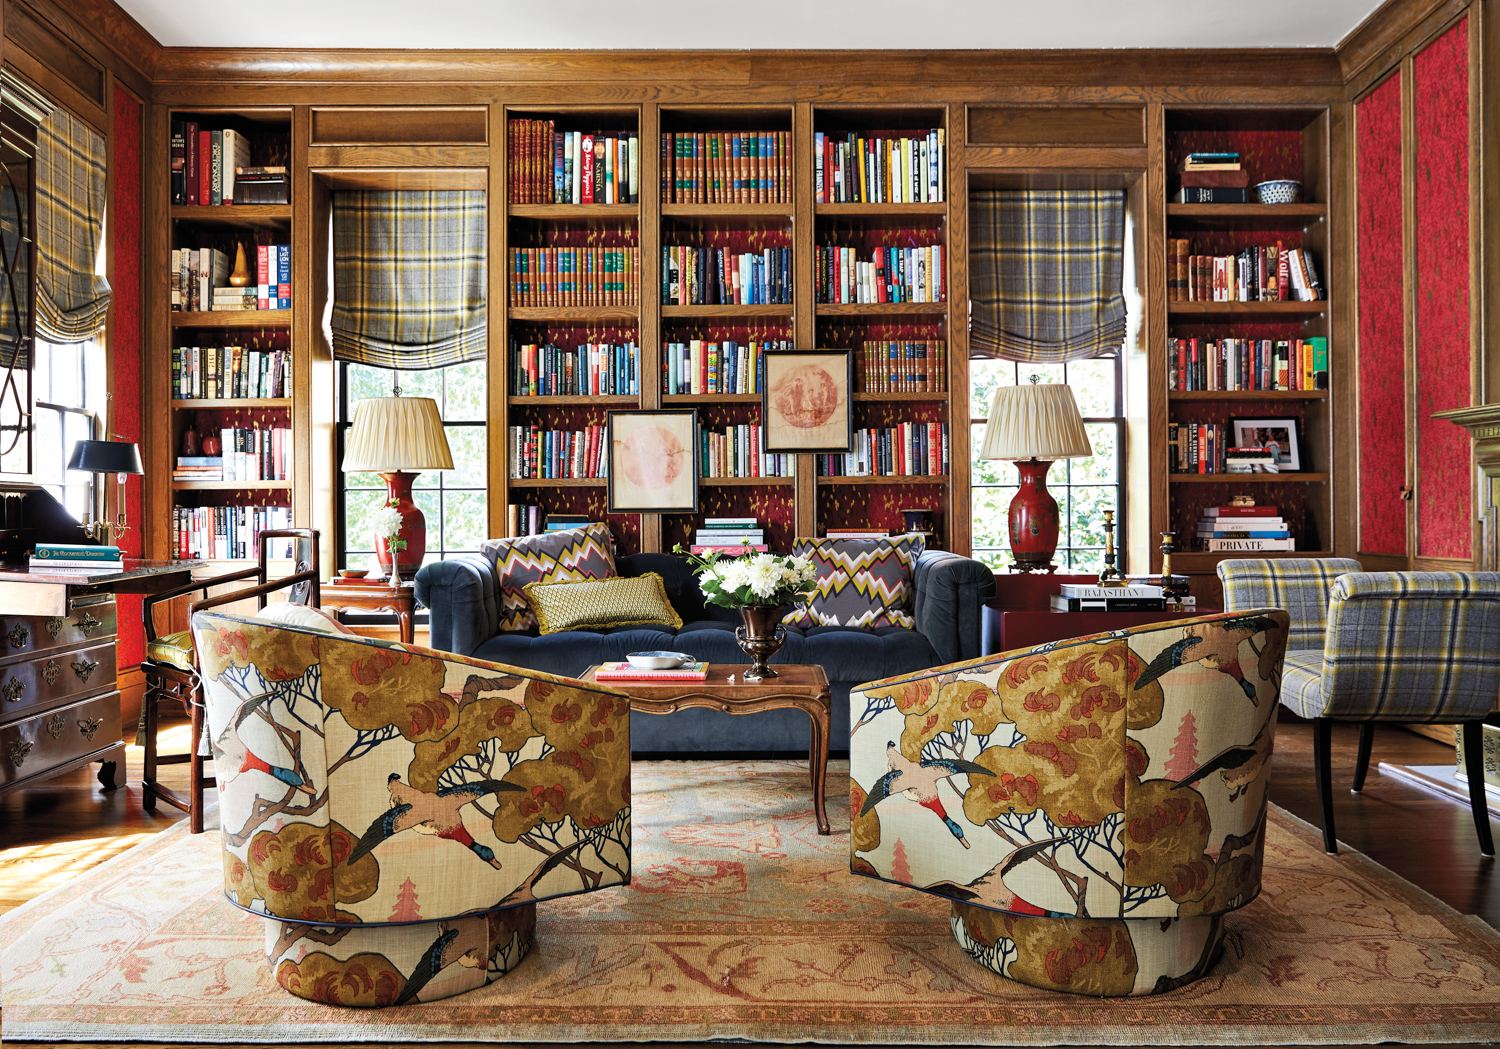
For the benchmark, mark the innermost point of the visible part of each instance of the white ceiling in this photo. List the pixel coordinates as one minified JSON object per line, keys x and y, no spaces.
{"x":696,"y":24}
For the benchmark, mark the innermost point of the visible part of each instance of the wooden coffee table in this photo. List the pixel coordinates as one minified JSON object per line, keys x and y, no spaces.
{"x":802,"y":687}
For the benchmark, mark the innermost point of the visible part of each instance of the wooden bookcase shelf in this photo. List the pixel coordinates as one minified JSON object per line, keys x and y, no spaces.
{"x":902,"y":479}
{"x":230,"y":403}
{"x":1274,"y":143}
{"x":576,"y":314}
{"x":247,"y":216}
{"x":881,"y":309}
{"x":557,"y":482}
{"x":892,"y":211}
{"x":237,"y":319}
{"x":746,"y":482}
{"x":735,"y":311}
{"x":231,"y":486}
{"x":902,"y":398}
{"x":563,"y":400}
{"x":690,"y":399}
{"x":777,"y":212}
{"x":575,"y":212}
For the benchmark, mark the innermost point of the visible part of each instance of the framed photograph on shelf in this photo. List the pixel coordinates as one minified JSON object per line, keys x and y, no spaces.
{"x":653,"y":461}
{"x":805,"y":400}
{"x":1279,"y":436}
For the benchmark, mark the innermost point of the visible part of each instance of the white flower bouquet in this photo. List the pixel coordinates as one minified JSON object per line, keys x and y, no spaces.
{"x":753,"y":579}
{"x":387,"y":524}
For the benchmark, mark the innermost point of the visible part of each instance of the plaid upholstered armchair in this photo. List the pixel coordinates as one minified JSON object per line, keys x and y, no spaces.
{"x":1381,"y":646}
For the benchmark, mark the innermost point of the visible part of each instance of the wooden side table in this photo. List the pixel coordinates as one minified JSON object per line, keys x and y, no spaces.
{"x":374,"y":597}
{"x":803,"y":687}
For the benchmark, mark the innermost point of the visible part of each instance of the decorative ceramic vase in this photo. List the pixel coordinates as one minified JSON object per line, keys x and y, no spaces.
{"x":190,"y":446}
{"x":761,"y":635}
{"x":240,"y":278}
{"x":403,"y":564}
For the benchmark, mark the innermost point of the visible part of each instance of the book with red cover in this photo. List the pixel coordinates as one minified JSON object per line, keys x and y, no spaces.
{"x":623,"y":671}
{"x":586,"y":178}
{"x":1212,"y":179}
{"x":1239,"y":511}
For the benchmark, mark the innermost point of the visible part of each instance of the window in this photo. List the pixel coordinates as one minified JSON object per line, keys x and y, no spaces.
{"x":453,"y":501}
{"x":70,"y":396}
{"x":1083,"y":488}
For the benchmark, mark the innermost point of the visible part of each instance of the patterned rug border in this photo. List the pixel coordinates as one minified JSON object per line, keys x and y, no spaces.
{"x":1138,"y":1021}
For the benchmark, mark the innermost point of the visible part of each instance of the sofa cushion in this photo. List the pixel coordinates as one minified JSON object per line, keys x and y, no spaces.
{"x":289,"y":613}
{"x":593,"y":604}
{"x":553,"y":557}
{"x":861,"y":582}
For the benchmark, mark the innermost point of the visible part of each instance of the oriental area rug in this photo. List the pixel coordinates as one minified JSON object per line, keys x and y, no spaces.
{"x":743,"y":923}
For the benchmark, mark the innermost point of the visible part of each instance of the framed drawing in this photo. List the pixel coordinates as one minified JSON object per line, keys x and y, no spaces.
{"x":1279,"y":436}
{"x":653,"y":461}
{"x":805,"y":400}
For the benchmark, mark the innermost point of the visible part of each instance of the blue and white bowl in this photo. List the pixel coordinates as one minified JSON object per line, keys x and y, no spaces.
{"x":1278,"y":191}
{"x":657,"y":660}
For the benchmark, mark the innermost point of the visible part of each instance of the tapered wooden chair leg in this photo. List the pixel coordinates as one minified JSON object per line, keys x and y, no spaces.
{"x":1323,"y":775}
{"x":1474,"y":769}
{"x":1362,"y":761}
{"x":195,"y":767}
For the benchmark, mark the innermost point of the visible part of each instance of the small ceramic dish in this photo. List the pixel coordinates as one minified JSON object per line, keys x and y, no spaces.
{"x":353,"y":573}
{"x":1278,"y":191}
{"x":658,"y":660}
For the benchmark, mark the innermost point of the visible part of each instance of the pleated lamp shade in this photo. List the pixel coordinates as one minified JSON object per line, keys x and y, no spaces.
{"x":397,"y":433}
{"x":1035,"y":420}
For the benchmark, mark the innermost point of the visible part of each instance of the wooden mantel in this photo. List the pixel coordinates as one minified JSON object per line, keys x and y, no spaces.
{"x":1483,"y":423}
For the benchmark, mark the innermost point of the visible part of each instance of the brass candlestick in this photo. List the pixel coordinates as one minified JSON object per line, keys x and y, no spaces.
{"x":1110,"y":575}
{"x":1173,"y":587}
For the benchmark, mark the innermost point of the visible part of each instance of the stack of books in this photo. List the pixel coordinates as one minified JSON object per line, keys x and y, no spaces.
{"x":261,"y":184}
{"x":1242,"y":529}
{"x":1090,"y":597}
{"x":232,"y":299}
{"x":1212,"y":178}
{"x":199,"y":468}
{"x":623,"y":671}
{"x":77,"y":556}
{"x":730,"y":536}
{"x":1250,"y":461}
{"x":563,"y":522}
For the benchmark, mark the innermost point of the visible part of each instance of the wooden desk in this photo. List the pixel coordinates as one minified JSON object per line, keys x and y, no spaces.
{"x":374,"y":597}
{"x":803,"y":687}
{"x":61,"y":706}
{"x":1021,"y":614}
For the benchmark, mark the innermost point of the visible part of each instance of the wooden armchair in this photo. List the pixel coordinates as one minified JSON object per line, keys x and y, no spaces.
{"x":171,"y":669}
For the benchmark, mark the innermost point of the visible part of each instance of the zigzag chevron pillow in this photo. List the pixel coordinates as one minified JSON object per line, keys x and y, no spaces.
{"x":553,"y":557}
{"x":861,"y":582}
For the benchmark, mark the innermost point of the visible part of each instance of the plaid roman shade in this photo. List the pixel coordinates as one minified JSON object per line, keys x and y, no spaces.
{"x":409,"y":278}
{"x":72,"y":300}
{"x":1046,"y":273}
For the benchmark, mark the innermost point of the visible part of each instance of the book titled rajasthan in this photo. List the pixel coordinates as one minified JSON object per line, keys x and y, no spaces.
{"x":1086,"y":592}
{"x":625,"y":672}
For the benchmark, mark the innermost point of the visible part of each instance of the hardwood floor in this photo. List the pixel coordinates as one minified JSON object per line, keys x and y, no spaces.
{"x":52,"y":832}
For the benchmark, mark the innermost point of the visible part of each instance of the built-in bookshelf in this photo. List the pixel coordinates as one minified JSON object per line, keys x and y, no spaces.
{"x":729,"y":239}
{"x":1249,"y":296}
{"x":230,"y":368}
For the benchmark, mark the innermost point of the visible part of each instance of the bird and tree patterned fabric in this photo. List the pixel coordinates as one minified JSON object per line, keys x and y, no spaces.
{"x":396,"y":812}
{"x":1092,"y":807}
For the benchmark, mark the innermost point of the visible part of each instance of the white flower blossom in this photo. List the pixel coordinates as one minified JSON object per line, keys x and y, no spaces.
{"x":387,"y":522}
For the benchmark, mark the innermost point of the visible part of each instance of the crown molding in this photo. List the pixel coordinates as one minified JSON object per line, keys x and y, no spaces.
{"x":1396,"y":28}
{"x":107,"y":32}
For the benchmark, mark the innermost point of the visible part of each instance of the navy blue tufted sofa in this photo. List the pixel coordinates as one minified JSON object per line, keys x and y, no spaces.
{"x":463,"y":599}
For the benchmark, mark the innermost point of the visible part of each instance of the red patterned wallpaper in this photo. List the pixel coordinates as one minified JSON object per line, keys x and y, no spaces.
{"x":1381,"y":364}
{"x":125,"y":340}
{"x":1441,"y":111}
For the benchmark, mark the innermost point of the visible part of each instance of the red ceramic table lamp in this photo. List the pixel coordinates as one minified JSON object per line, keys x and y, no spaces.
{"x":397,"y":437}
{"x":1034,"y":424}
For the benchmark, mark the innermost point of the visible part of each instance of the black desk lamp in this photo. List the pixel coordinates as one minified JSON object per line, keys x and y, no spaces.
{"x":102,"y":457}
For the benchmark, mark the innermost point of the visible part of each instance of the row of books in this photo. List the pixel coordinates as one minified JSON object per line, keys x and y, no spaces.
{"x":1259,"y":273}
{"x":222,"y":533}
{"x":548,"y":166}
{"x":248,"y":454}
{"x":702,"y":366}
{"x":199,"y":280}
{"x":721,"y":276}
{"x":574,"y":276}
{"x":593,"y":369}
{"x":558,"y":454}
{"x":908,"y":449}
{"x":204,"y":162}
{"x":726,"y":167}
{"x":1247,"y":364}
{"x":1242,"y":528}
{"x":230,"y":372}
{"x":880,"y":167}
{"x":81,"y":557}
{"x":739,"y":452}
{"x":890,"y":275}
{"x":1198,"y":448}
{"x":903,"y":367}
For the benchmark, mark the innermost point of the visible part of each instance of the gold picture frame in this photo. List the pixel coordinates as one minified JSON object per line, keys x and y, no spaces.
{"x":653,"y":461}
{"x":806,"y":400}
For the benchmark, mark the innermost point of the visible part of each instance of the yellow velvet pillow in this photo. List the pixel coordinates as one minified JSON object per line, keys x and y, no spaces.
{"x":593,"y":604}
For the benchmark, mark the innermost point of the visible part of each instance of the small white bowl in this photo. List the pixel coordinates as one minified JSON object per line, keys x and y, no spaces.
{"x":1278,"y":191}
{"x":658,"y":660}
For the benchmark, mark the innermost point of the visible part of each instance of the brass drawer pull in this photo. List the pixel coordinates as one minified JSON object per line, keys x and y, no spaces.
{"x":18,"y":751}
{"x":55,"y":626}
{"x":56,"y":725}
{"x":88,"y":726}
{"x":12,"y":690}
{"x":87,"y":624}
{"x":51,"y":670}
{"x":84,"y":668}
{"x":18,"y":636}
